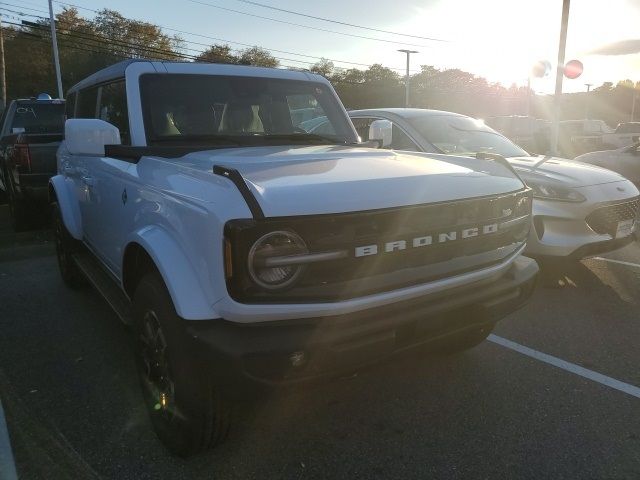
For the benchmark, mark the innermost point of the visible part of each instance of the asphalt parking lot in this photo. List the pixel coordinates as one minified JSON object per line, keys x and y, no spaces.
{"x":561,"y":402}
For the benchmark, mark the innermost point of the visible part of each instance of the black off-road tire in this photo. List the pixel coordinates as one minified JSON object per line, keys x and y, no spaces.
{"x":66,"y":246}
{"x":188,"y":413}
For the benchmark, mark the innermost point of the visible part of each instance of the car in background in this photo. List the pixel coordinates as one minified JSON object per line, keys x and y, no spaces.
{"x":625,"y":161}
{"x":31,"y":131}
{"x":576,"y":137}
{"x":625,"y":134}
{"x":532,"y":134}
{"x":579,"y":210}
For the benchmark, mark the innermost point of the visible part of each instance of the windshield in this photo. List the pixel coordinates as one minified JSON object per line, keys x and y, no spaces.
{"x":463,"y":136}
{"x":38,"y":118}
{"x":240,"y":110}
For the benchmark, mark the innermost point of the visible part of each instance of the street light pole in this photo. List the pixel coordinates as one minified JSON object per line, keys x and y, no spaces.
{"x":559,"y":76}
{"x":406,"y":78}
{"x":588,"y":99}
{"x":54,"y":45}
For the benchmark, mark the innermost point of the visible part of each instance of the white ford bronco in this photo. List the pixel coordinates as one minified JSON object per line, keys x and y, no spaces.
{"x":246,"y":252}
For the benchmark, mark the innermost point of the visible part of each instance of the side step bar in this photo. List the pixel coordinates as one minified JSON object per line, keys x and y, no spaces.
{"x":105,"y":285}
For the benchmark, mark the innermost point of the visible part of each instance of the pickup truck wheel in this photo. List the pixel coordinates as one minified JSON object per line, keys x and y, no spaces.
{"x":188,"y":413}
{"x":66,"y":245}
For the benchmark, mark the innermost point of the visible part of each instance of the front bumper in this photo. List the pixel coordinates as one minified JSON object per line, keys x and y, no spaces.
{"x":243,"y":356}
{"x":560,"y":229}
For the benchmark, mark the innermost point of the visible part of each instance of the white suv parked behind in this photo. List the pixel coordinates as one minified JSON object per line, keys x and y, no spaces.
{"x":246,"y":252}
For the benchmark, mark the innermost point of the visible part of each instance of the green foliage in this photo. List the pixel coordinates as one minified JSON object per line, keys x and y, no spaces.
{"x":85,"y":47}
{"x":324,"y":67}
{"x":259,"y":57}
{"x":217,"y":54}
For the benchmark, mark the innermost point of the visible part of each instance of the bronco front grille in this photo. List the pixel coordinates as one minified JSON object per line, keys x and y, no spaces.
{"x":355,"y":275}
{"x":605,"y":220}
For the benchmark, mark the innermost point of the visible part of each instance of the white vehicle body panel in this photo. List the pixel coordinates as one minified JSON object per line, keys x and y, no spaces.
{"x":176,"y":208}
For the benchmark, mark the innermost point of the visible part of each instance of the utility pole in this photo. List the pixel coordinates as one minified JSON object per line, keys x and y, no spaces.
{"x":54,"y":45}
{"x":588,"y":99}
{"x":3,"y":77}
{"x":559,"y":76}
{"x":406,"y":78}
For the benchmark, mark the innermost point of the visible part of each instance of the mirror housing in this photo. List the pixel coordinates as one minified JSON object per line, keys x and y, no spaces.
{"x":88,"y":136}
{"x":381,"y":131}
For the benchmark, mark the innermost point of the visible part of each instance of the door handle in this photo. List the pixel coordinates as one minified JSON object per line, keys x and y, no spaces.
{"x":88,"y":181}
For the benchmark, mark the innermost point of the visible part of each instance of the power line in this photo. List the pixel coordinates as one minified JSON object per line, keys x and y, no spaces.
{"x":300,"y":14}
{"x":226,"y":40}
{"x":102,"y":42}
{"x":305,"y":26}
{"x":141,"y":47}
{"x":198,"y":52}
{"x":230,"y":41}
{"x":109,"y":41}
{"x":102,"y":50}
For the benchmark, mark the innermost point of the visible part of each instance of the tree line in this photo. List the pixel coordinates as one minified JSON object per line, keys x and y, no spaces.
{"x":87,"y":45}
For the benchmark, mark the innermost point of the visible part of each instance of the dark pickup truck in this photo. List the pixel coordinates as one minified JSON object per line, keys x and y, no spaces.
{"x":31,"y":132}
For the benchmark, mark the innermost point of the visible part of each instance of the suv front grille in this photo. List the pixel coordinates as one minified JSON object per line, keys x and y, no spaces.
{"x":604,"y":220}
{"x":355,"y":275}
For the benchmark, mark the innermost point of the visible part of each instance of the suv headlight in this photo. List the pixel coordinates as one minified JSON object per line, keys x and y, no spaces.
{"x":271,"y":246}
{"x":554,"y":192}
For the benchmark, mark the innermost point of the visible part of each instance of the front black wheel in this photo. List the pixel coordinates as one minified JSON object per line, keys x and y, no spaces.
{"x":66,"y":246}
{"x":187,"y":411}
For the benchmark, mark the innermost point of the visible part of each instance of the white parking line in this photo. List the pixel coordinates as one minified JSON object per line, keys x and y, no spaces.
{"x":628,"y":264}
{"x":568,"y":366}
{"x":7,"y":464}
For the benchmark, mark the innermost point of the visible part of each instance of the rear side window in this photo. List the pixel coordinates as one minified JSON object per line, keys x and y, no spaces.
{"x":87,"y":103}
{"x":113,"y":108}
{"x":35,"y":117}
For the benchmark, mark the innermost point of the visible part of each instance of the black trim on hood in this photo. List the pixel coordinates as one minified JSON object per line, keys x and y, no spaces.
{"x":238,"y":180}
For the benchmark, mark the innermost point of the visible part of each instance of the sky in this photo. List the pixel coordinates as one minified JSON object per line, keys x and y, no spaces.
{"x":496,"y":39}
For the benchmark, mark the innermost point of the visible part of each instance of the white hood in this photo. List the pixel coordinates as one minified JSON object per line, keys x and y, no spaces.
{"x":336,"y":179}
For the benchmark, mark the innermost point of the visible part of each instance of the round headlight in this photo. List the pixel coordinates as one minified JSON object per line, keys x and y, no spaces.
{"x":272,"y":246}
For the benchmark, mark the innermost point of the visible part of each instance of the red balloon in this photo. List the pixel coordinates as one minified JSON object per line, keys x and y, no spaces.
{"x":573,"y":69}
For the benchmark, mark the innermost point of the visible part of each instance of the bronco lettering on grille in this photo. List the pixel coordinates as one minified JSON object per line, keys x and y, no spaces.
{"x":425,"y":241}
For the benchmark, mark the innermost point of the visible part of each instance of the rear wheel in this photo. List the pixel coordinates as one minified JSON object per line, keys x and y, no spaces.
{"x":188,"y":413}
{"x":66,"y":246}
